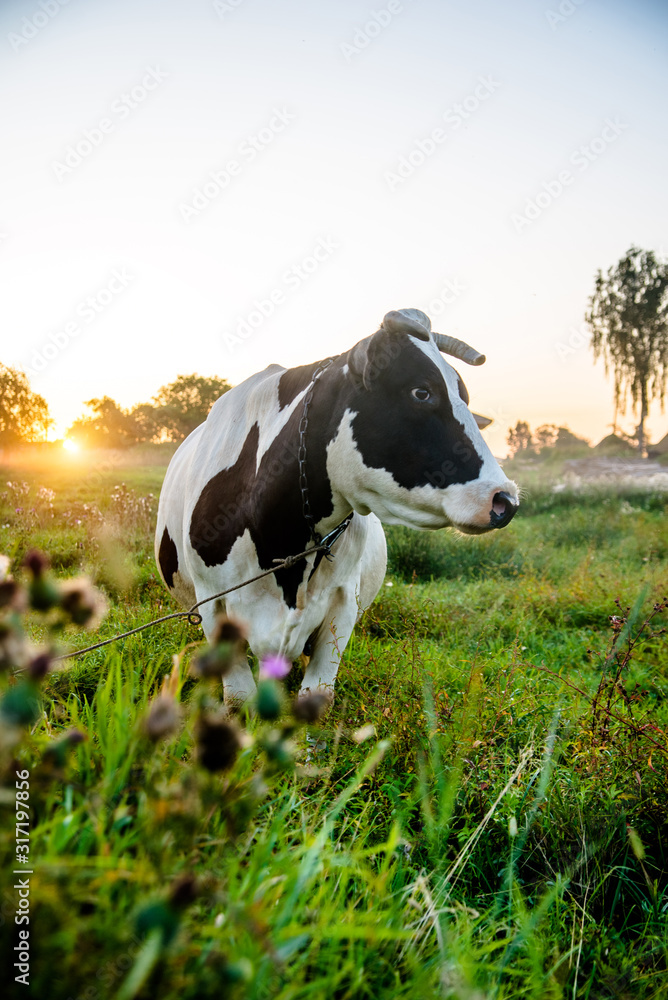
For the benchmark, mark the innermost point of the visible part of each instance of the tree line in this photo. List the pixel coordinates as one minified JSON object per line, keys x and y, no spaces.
{"x":627,"y":316}
{"x":175,"y":410}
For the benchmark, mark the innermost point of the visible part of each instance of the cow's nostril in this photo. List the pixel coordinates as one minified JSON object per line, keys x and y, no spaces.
{"x":503,"y":510}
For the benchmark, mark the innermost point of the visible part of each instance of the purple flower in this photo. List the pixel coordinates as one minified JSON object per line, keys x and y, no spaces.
{"x":275,"y":666}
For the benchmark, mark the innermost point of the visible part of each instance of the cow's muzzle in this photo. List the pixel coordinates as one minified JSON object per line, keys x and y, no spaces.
{"x":503,"y":510}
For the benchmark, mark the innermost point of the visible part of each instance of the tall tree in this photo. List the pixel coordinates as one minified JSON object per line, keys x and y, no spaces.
{"x":183,"y":404}
{"x":111,"y":427}
{"x":628,"y":318}
{"x":24,"y":414}
{"x":519,"y":438}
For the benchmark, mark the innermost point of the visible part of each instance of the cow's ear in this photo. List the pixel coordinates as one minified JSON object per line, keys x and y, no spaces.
{"x":357,"y":360}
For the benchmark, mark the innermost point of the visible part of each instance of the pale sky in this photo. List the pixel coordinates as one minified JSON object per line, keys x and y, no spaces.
{"x":479,"y":161}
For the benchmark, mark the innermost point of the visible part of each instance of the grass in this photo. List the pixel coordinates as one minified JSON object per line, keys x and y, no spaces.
{"x":502,"y":835}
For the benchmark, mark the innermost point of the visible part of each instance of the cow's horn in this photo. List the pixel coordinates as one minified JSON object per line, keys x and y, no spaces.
{"x":407,"y":321}
{"x":458,"y":349}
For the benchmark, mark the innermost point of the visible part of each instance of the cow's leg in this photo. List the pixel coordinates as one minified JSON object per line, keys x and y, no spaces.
{"x":331,"y":640}
{"x":239,"y":685}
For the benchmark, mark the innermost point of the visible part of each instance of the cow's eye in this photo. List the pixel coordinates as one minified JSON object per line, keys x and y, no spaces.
{"x":422,"y":395}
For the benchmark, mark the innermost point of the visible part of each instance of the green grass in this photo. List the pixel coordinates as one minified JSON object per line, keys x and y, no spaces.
{"x":499,"y":837}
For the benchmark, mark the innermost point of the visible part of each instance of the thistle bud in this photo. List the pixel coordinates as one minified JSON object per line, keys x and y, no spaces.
{"x":13,"y":648}
{"x":12,"y":596}
{"x":311,"y":707}
{"x":42,"y":594}
{"x":20,"y":704}
{"x":218,"y":741}
{"x":39,"y":666}
{"x":268,"y":702}
{"x":162,"y":718}
{"x":226,"y":650}
{"x":183,"y":891}
{"x":83,"y":604}
{"x":36,"y":562}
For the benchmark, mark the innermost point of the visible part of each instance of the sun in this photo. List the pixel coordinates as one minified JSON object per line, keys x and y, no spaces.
{"x":71,"y":446}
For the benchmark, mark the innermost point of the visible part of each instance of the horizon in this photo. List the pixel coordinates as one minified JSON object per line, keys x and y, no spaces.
{"x":215,"y":188}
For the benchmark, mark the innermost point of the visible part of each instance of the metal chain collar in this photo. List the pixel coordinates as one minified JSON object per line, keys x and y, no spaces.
{"x":301,"y":455}
{"x":330,"y":538}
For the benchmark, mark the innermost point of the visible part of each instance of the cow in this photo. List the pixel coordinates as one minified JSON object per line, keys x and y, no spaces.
{"x":327,"y":450}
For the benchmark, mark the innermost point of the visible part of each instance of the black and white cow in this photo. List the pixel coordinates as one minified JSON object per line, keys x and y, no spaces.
{"x":386,"y":433}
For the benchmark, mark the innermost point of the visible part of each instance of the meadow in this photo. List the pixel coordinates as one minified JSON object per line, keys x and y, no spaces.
{"x":483,"y":814}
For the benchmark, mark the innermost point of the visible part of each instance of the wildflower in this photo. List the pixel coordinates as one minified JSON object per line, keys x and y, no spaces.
{"x":275,"y":666}
{"x":13,"y":596}
{"x":226,"y":650}
{"x":82,"y":602}
{"x":13,"y":648}
{"x":162,"y":718}
{"x":20,"y":704}
{"x":183,"y":891}
{"x":43,"y":594}
{"x":36,"y":562}
{"x":39,"y":666}
{"x":310,"y":707}
{"x":268,"y":701}
{"x":218,"y":741}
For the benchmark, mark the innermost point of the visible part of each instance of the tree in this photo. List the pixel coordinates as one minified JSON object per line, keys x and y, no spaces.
{"x":24,"y":414}
{"x":183,"y":404}
{"x":546,"y":436}
{"x":111,"y":427}
{"x":628,"y":318}
{"x":519,"y":438}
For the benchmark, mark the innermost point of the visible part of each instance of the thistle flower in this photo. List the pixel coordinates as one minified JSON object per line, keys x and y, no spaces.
{"x":39,"y":666}
{"x":311,"y":707}
{"x":275,"y":666}
{"x":36,"y":562}
{"x":218,"y":741}
{"x":226,"y":650}
{"x":12,"y":595}
{"x":268,"y":701}
{"x":183,"y":891}
{"x":82,"y":602}
{"x":162,"y":718}
{"x":13,"y":648}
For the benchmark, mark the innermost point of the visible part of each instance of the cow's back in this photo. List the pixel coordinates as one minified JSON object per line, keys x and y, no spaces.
{"x":214,"y":445}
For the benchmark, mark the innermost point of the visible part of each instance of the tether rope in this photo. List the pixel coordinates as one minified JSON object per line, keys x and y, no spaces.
{"x":193,"y":616}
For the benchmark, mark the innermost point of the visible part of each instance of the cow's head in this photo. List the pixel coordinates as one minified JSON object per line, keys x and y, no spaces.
{"x":409,"y":448}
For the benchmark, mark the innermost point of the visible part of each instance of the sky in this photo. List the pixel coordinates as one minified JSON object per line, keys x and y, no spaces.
{"x":212,"y":187}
